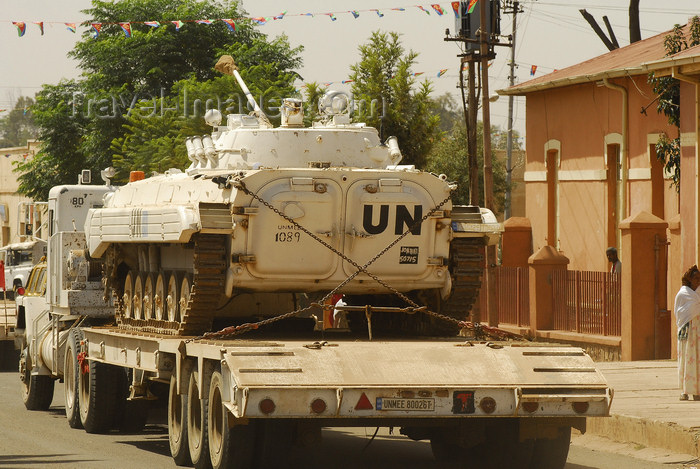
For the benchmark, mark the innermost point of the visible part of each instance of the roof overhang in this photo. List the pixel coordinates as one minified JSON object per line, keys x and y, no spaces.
{"x":680,"y":67}
{"x":568,"y":81}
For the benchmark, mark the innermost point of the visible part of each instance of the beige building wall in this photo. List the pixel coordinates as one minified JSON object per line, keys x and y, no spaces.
{"x":9,"y":198}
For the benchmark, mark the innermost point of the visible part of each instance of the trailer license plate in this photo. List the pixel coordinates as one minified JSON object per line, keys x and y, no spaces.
{"x":391,"y":403}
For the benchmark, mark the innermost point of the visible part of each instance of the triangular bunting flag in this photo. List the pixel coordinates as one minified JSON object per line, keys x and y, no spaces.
{"x":41,"y":26}
{"x":455,"y":8}
{"x":438,"y":9}
{"x":230,"y":24}
{"x":126,"y":27}
{"x":96,"y":27}
{"x":70,"y":27}
{"x":21,"y":27}
{"x":178,"y":24}
{"x":152,"y":24}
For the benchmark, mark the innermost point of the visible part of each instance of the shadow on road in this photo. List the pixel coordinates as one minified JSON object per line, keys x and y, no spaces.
{"x":43,"y":460}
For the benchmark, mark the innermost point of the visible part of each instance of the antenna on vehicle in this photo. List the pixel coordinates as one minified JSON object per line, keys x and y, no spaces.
{"x":227,"y":66}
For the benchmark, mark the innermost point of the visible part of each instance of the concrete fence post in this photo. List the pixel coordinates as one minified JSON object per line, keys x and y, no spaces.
{"x":645,"y":329}
{"x":516,"y":242}
{"x":675,"y":272}
{"x":542,"y":264}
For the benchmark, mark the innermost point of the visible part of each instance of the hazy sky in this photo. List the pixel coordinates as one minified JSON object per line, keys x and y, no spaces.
{"x":551,"y":34}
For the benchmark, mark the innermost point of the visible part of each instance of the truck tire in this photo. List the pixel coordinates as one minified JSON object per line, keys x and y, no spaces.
{"x":273,"y":443}
{"x":71,"y":378}
{"x":229,"y":447}
{"x":130,"y":415}
{"x":98,"y":396}
{"x":177,"y":425}
{"x":37,"y":390}
{"x":197,"y":412}
{"x":552,"y":453}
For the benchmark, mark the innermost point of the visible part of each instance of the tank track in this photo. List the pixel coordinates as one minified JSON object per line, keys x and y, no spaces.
{"x":466,"y":269}
{"x":210,"y":264}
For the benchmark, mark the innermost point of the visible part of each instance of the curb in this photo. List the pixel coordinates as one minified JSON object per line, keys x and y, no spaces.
{"x":641,"y":431}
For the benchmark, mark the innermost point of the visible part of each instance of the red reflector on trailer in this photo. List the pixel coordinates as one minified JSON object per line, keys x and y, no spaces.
{"x":363,"y":403}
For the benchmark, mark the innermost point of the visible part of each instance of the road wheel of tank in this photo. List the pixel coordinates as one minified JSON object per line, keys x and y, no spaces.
{"x":138,"y":296}
{"x":172,"y":298}
{"x":97,"y":391}
{"x":128,"y":296}
{"x":37,"y":390}
{"x":185,"y":291}
{"x":71,"y":377}
{"x":149,"y":284}
{"x":159,"y":297}
{"x":130,"y":415}
{"x":229,"y":447}
{"x":552,"y":453}
{"x":197,"y":413}
{"x":177,"y":425}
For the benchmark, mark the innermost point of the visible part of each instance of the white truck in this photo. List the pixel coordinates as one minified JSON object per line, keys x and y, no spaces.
{"x":237,"y":402}
{"x":17,"y":260}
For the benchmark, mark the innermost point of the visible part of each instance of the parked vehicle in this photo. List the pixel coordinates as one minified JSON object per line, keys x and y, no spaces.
{"x":18,"y":260}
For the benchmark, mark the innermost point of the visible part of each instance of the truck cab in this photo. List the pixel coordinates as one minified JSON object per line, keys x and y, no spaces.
{"x":18,"y":260}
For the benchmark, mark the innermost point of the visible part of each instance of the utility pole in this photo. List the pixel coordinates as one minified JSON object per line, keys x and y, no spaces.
{"x":471,"y":138}
{"x":485,"y":109}
{"x":509,"y":140}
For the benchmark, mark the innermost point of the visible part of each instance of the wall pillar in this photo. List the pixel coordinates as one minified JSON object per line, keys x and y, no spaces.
{"x":542,"y":264}
{"x":645,"y":329}
{"x":675,"y":272}
{"x":516,"y":242}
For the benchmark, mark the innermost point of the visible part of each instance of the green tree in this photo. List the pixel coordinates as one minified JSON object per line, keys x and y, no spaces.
{"x":669,"y":98}
{"x":18,"y":125}
{"x":383,"y":85}
{"x":449,"y":157}
{"x":122,"y":75}
{"x":62,"y":132}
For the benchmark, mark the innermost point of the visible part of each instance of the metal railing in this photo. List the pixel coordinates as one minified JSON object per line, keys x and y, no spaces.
{"x":587,"y":302}
{"x":513,"y":297}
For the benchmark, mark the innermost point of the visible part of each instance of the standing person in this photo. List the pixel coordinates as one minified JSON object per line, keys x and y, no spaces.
{"x":616,"y":267}
{"x":687,"y":311}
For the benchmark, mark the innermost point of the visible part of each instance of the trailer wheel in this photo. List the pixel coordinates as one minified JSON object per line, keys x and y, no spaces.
{"x":37,"y":390}
{"x":197,"y":439}
{"x":229,"y":447}
{"x":71,"y":376}
{"x":177,"y":425}
{"x":552,"y":453}
{"x":98,"y":396}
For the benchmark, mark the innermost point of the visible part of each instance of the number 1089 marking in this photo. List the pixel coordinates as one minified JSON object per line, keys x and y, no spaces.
{"x":287,"y":236}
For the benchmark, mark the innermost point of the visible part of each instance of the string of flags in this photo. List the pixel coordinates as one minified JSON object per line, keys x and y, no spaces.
{"x":231,"y":22}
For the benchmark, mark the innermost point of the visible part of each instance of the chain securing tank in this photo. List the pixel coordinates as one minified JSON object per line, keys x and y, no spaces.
{"x":267,"y":220}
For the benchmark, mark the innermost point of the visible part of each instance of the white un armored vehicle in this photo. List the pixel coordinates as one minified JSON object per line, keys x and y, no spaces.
{"x":264,"y":218}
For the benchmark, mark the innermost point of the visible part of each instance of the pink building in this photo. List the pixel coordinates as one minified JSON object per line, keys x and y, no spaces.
{"x":591,"y":159}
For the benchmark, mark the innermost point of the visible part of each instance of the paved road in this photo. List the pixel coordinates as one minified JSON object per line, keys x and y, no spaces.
{"x":43,"y":439}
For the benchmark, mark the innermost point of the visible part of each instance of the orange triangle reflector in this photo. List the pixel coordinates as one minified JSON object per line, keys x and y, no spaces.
{"x":363,"y":403}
